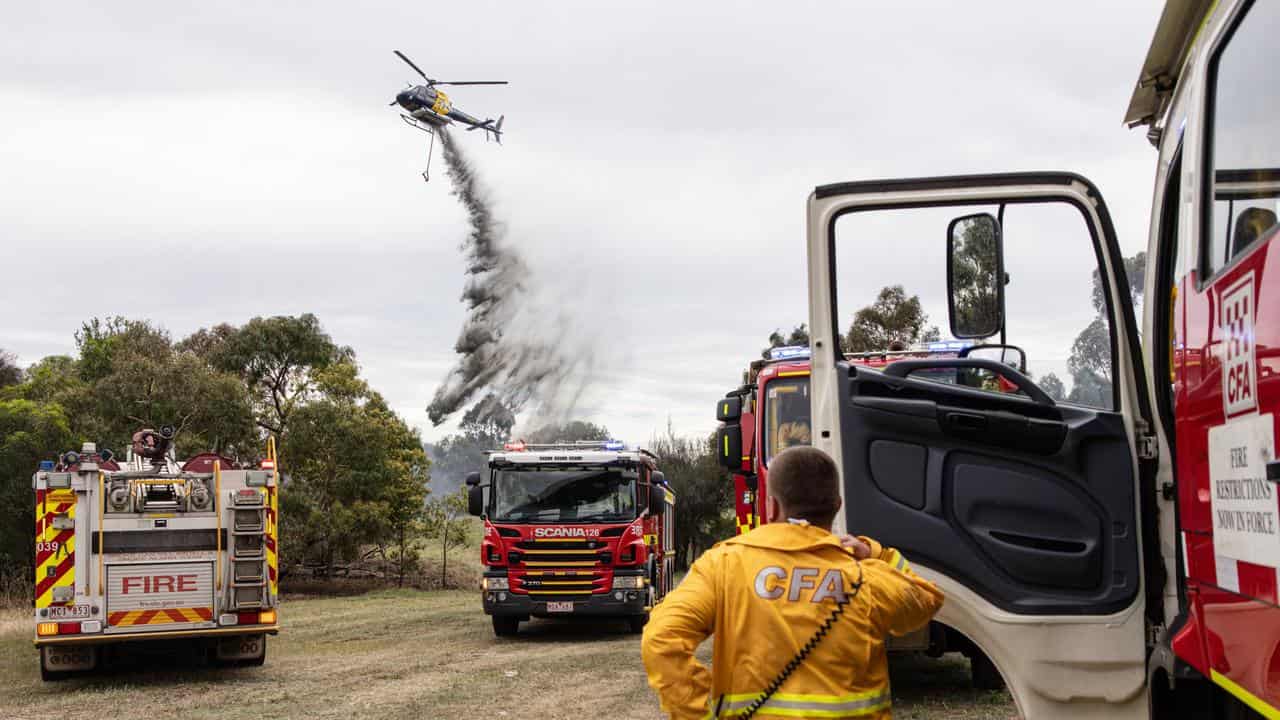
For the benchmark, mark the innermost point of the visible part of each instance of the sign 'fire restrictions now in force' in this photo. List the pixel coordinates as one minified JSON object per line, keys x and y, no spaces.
{"x":1246,"y":513}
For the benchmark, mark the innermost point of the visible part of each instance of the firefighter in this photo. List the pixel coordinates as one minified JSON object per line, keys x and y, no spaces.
{"x":795,"y":431}
{"x":799,"y":615}
{"x":791,"y":434}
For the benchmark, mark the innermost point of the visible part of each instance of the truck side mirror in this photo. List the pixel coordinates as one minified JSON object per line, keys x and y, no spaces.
{"x":1010,"y":355}
{"x":729,"y":446}
{"x":975,"y":276}
{"x":729,"y":409}
{"x":657,"y":498}
{"x":473,"y":479}
{"x":475,"y":500}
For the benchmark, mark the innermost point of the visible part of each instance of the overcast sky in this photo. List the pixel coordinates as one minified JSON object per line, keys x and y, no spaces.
{"x":216,"y":161}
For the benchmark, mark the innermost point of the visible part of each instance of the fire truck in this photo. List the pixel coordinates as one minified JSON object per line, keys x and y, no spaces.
{"x":148,"y":548}
{"x":1115,"y":555}
{"x":773,"y":403}
{"x":770,"y":412}
{"x":573,"y":530}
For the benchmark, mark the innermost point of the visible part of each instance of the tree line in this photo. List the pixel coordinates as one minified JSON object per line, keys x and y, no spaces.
{"x":896,"y":319}
{"x":356,"y":474}
{"x":360,"y":487}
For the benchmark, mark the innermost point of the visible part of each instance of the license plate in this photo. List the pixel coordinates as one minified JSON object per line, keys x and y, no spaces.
{"x":560,"y":607}
{"x":62,"y":612}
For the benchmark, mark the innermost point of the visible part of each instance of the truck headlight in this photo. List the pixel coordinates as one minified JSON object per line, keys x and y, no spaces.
{"x":495,"y":583}
{"x":628,"y":582}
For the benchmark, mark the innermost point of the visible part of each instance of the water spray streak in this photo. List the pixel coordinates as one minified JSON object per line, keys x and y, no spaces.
{"x":514,"y":343}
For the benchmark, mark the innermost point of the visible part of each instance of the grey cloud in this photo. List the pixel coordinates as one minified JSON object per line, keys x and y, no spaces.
{"x":656,"y":164}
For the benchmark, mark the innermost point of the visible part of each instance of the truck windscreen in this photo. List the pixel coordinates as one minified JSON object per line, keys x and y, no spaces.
{"x":544,"y":495}
{"x":786,"y":415}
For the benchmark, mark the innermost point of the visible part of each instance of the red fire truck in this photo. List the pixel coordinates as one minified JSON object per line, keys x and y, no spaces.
{"x":573,"y":530}
{"x":1116,"y":553}
{"x":149,"y":548}
{"x":770,"y":412}
{"x":773,"y":403}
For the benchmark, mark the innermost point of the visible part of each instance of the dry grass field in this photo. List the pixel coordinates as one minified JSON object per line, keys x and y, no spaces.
{"x":412,"y":655}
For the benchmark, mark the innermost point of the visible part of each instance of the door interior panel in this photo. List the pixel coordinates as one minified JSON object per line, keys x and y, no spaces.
{"x":1028,"y":504}
{"x":898,"y":469}
{"x":1051,"y":536}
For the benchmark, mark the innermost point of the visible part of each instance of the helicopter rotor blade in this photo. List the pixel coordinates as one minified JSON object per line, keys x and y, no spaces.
{"x":469,"y":82}
{"x":410,"y":63}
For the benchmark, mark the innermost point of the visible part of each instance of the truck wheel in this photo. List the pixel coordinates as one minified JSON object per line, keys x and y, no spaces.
{"x":68,"y":661}
{"x":506,"y":625}
{"x":239,"y":651}
{"x":257,"y":661}
{"x":983,"y":672}
{"x":48,"y":675}
{"x":636,"y":623}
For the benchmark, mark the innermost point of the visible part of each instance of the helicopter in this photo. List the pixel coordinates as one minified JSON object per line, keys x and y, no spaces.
{"x":429,"y":108}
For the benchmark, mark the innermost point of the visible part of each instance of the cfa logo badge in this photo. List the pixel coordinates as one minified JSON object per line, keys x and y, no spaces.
{"x":1235,"y":323}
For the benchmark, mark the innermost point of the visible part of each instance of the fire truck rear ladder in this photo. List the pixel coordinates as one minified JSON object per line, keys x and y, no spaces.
{"x":248,"y":551}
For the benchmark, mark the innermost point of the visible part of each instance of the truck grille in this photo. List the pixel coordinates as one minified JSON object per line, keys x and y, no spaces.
{"x":559,"y":568}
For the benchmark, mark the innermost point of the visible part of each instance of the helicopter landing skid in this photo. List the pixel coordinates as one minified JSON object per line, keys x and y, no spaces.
{"x":429,"y":130}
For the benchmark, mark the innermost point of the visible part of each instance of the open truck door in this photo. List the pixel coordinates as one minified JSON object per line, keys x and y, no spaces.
{"x":1025,"y":508}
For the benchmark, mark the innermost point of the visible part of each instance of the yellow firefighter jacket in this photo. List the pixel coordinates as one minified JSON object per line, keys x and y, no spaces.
{"x":764,"y":595}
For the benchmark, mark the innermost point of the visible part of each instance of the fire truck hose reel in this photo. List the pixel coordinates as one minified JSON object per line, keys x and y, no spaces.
{"x":119,"y":497}
{"x":198,"y":496}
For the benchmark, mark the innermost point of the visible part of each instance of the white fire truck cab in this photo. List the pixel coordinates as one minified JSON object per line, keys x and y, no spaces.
{"x":151,"y":549}
{"x":1113,"y":545}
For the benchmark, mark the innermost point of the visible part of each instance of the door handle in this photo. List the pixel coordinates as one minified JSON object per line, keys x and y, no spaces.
{"x":967,"y":421}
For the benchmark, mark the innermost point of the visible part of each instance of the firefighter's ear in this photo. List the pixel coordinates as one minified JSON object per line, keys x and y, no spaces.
{"x":773,"y":509}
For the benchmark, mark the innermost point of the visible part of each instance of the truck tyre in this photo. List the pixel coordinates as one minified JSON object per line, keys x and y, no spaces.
{"x":983,"y":672}
{"x":506,"y":625}
{"x":258,"y":661}
{"x":48,"y":675}
{"x":87,"y":662}
{"x":636,"y":623}
{"x":232,"y":651}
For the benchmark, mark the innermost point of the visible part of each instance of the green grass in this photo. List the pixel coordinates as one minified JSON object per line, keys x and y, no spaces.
{"x":409,"y":654}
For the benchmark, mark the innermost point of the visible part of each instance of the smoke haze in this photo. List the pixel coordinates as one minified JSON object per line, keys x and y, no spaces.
{"x":516,"y":343}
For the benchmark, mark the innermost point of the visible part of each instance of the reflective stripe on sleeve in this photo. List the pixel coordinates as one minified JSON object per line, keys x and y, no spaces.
{"x":897,"y":560}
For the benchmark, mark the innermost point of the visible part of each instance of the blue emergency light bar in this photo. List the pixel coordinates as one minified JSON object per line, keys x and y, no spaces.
{"x":46,"y":465}
{"x":789,"y":352}
{"x":949,"y":345}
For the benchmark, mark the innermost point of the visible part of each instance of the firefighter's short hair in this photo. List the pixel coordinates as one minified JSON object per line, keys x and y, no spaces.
{"x":805,"y":481}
